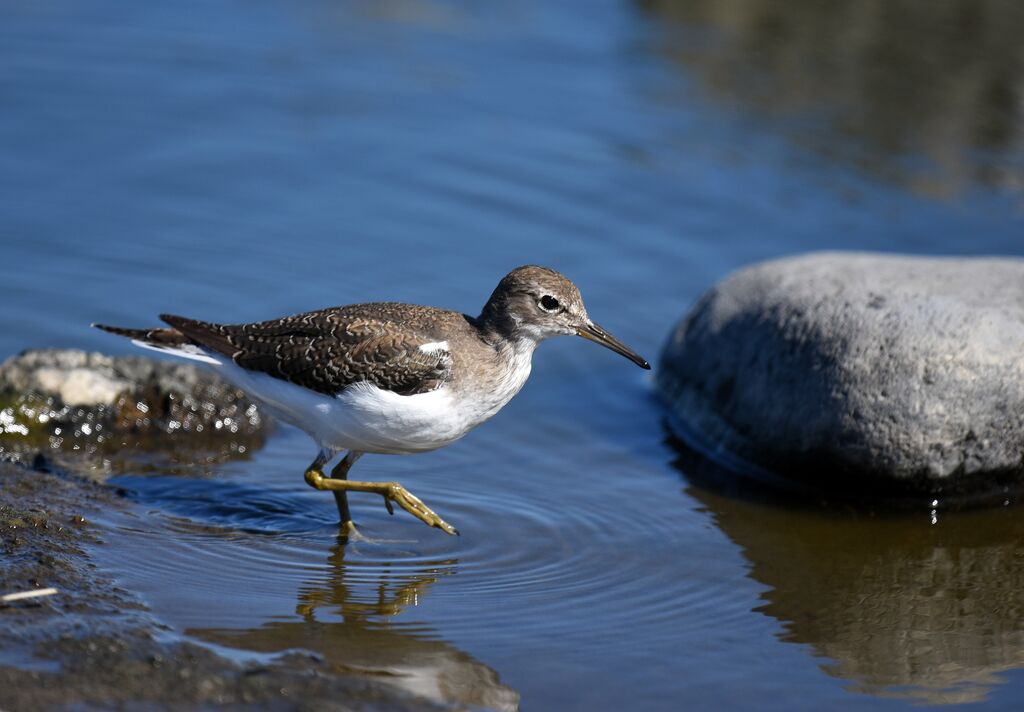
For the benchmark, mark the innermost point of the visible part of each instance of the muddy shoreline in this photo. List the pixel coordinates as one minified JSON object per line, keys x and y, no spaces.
{"x":95,"y":645}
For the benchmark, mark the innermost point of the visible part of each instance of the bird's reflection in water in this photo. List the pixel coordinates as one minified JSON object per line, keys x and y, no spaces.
{"x":348,"y":619}
{"x":905,"y":605}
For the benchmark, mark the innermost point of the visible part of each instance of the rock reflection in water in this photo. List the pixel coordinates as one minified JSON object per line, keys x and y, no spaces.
{"x":903,"y":606}
{"x":905,"y":79}
{"x":367,"y":595}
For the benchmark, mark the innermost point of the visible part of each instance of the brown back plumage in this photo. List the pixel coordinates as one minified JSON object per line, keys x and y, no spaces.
{"x":325,"y":350}
{"x":330,"y":349}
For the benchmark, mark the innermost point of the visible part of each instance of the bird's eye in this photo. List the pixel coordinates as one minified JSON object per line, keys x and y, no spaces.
{"x":549,"y":303}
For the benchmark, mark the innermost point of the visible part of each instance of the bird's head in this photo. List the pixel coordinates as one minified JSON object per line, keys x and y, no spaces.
{"x":537,"y":303}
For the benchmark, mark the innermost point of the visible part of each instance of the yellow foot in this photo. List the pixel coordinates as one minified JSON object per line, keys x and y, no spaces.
{"x":414,"y":506}
{"x":390,"y":491}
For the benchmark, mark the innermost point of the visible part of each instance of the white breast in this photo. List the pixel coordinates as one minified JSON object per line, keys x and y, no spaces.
{"x":482,"y":403}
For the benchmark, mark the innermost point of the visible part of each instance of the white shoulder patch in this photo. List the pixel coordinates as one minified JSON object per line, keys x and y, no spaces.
{"x":434,"y":346}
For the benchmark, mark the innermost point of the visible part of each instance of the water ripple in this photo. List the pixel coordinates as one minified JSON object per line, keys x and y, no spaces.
{"x":570,"y":547}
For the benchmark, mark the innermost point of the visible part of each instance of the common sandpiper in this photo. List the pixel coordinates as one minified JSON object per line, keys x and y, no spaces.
{"x":387,"y":377}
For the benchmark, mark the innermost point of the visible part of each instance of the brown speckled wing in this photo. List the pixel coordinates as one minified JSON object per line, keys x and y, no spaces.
{"x":330,"y":349}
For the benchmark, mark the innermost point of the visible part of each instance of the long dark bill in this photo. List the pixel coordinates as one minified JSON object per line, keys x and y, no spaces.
{"x":593,"y":332}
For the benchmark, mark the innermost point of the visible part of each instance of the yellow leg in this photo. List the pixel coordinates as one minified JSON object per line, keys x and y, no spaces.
{"x":340,"y":471}
{"x":390,"y":491}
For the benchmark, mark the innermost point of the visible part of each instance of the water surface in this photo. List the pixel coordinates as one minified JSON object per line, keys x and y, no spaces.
{"x":239,"y":161}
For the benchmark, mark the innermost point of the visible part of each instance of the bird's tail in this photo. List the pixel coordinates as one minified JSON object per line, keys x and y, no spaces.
{"x":157,"y":337}
{"x":166,"y":340}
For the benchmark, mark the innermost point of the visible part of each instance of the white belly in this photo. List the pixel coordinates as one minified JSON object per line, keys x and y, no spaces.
{"x":363,"y":417}
{"x":368,"y":419}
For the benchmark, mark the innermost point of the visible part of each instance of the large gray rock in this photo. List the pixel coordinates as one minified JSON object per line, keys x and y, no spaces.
{"x":860,"y":372}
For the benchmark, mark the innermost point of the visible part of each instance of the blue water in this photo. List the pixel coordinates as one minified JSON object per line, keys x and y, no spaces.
{"x":237,"y":161}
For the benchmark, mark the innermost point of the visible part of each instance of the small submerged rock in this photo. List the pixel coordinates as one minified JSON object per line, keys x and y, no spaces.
{"x":93,"y":405}
{"x":859,"y":373}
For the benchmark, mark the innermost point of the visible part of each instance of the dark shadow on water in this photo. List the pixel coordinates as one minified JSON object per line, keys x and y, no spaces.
{"x":928,"y":94}
{"x":367,"y":597}
{"x":910,"y":605}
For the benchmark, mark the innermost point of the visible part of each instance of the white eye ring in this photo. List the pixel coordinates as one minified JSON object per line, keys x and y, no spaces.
{"x":549,"y":304}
